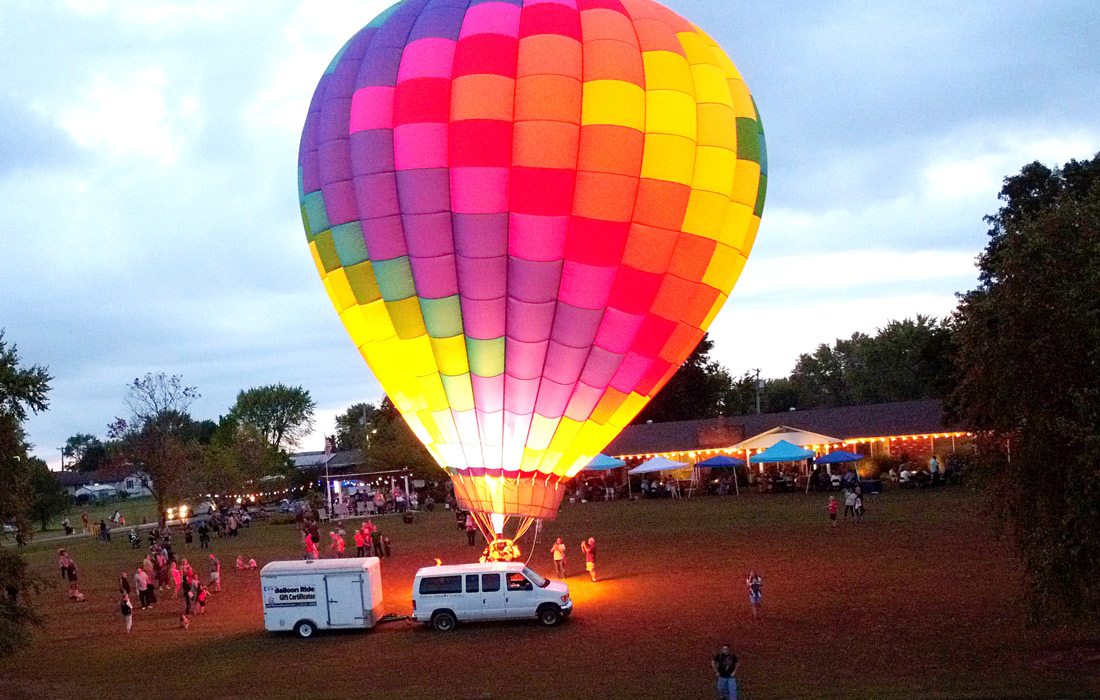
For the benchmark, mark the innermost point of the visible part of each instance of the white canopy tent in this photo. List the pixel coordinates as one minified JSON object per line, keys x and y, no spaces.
{"x":658,"y":464}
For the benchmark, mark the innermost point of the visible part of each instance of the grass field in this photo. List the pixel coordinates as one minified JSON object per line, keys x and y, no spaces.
{"x":132,"y":508}
{"x":918,"y":602}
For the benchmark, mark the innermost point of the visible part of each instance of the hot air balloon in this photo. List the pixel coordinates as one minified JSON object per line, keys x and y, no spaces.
{"x":526,"y":213}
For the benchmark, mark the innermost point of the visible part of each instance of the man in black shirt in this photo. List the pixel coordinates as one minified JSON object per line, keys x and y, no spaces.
{"x":725,"y":670}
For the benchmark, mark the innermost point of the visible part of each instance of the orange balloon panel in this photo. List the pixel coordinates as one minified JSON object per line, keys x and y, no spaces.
{"x":526,"y":214}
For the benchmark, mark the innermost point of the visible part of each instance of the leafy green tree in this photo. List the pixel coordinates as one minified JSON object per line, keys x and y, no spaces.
{"x":238,"y":458}
{"x":23,"y":390}
{"x":352,"y":426}
{"x":48,"y":496}
{"x":283,"y":414}
{"x":1028,"y":353}
{"x":85,"y":453}
{"x":159,"y":435}
{"x":701,"y":388}
{"x":904,"y":361}
{"x":389,"y":443}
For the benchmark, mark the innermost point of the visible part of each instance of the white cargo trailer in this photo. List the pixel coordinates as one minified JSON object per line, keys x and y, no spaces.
{"x":311,"y":595}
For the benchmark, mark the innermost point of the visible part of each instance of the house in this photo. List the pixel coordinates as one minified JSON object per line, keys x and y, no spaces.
{"x":95,"y":493}
{"x":132,"y":482}
{"x":339,"y":462}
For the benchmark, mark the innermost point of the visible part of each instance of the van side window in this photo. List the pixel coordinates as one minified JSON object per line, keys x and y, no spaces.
{"x":440,"y":584}
{"x":490,"y":582}
{"x":518,"y":582}
{"x":471,"y":583}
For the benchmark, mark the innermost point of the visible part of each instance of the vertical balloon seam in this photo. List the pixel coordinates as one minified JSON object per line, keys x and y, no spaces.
{"x":563,"y":467}
{"x":561,"y":272}
{"x":448,"y":387}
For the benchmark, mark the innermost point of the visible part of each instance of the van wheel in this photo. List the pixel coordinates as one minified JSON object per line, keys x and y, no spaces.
{"x":549,"y":615}
{"x":304,"y":629}
{"x":444,"y":621}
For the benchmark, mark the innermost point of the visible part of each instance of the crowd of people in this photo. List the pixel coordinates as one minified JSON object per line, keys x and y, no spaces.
{"x":368,"y":539}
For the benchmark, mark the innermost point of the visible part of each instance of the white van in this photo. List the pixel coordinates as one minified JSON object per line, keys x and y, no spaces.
{"x":316,"y":594}
{"x":447,"y":595}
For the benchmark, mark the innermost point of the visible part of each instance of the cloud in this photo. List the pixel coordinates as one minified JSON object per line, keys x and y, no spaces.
{"x":140,"y":115}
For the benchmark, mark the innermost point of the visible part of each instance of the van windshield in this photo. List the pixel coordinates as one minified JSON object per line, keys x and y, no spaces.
{"x":535,"y":578}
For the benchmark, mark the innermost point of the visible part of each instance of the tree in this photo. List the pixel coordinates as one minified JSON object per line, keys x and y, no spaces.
{"x":701,"y":388}
{"x":48,"y":496}
{"x":904,"y":361}
{"x":23,"y":390}
{"x":352,"y":425}
{"x":283,"y":414}
{"x":156,"y":436}
{"x":389,"y":442}
{"x":85,"y":453}
{"x":237,"y":458}
{"x":1028,"y":349}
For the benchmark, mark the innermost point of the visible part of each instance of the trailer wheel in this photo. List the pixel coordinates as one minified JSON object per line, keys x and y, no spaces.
{"x":444,"y":621}
{"x":549,"y":615}
{"x":304,"y":629}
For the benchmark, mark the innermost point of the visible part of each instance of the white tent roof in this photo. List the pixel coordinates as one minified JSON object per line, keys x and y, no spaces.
{"x":794,"y":436}
{"x":657,"y":464}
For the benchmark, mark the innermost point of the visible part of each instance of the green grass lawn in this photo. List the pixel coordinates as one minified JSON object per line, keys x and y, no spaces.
{"x":918,"y":602}
{"x":132,"y":508}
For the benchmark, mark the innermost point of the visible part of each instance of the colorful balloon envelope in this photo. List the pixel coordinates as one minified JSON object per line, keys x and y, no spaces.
{"x":527,"y":212}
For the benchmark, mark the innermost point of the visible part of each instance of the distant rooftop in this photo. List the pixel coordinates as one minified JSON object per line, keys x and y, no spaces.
{"x":845,"y":422}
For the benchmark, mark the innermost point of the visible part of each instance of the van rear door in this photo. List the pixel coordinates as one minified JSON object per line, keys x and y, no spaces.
{"x":345,"y":600}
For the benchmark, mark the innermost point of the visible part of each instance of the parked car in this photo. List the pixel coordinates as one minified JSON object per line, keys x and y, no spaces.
{"x":443,"y":596}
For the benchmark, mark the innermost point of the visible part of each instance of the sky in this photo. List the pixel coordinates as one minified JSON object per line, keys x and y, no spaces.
{"x":148,"y":156}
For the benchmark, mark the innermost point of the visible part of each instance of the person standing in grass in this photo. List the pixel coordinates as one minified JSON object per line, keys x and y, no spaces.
{"x":360,"y":547}
{"x":725,"y":665}
{"x":471,"y":529}
{"x":859,"y":506}
{"x":204,"y":535}
{"x":215,"y":574}
{"x":756,"y":592}
{"x":849,"y":503}
{"x":177,"y":579}
{"x":141,"y":580}
{"x":558,"y":551}
{"x":833,"y":506}
{"x":124,"y":584}
{"x":589,"y":548}
{"x":127,"y":609}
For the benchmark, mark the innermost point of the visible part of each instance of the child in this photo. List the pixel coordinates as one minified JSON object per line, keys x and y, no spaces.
{"x":200,"y":599}
{"x":240,"y":563}
{"x":755,"y":585}
{"x":177,"y":579}
{"x":252,"y":565}
{"x":859,"y":506}
{"x":832,"y":509}
{"x":185,"y":622}
{"x":386,"y":546}
{"x":127,"y":612}
{"x":849,"y":504}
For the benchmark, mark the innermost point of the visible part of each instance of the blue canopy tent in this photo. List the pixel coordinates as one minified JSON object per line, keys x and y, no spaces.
{"x":838,"y":457}
{"x":782,"y":451}
{"x":722,"y":462}
{"x":602,"y":462}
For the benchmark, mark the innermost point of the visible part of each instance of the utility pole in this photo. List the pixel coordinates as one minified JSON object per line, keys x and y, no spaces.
{"x":759,"y":385}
